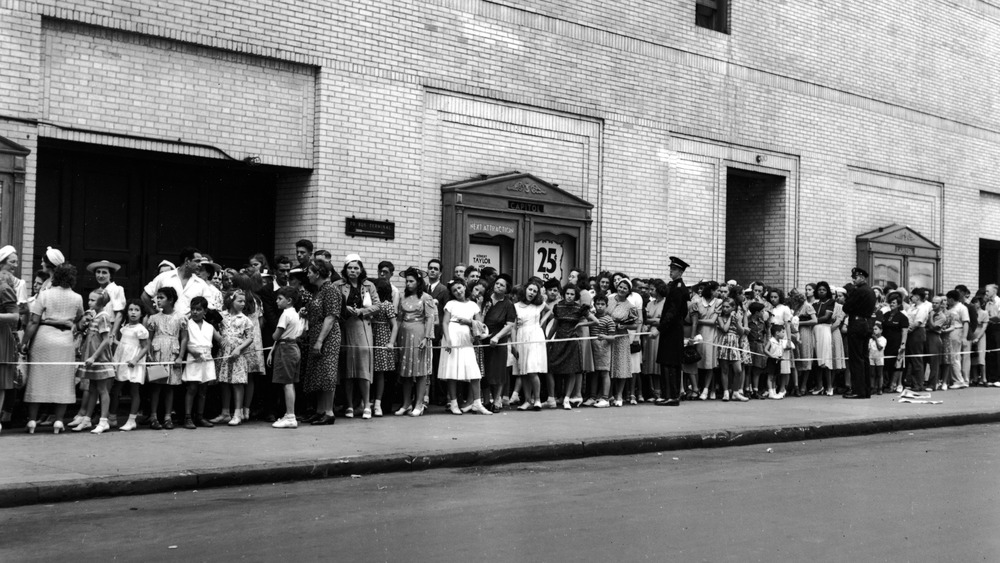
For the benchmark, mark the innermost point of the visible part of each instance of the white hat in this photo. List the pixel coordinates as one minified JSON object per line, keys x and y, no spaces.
{"x":6,"y":251}
{"x":55,"y":257}
{"x":353,"y":257}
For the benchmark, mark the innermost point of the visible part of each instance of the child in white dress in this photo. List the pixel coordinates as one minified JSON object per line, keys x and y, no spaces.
{"x":200,"y":368}
{"x":131,"y":359}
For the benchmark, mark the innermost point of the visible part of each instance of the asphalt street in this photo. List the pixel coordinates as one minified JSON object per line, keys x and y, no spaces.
{"x":930,"y":495}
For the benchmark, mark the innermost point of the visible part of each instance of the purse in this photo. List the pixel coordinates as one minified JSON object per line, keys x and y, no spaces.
{"x":157,"y":372}
{"x":635,"y":346}
{"x":691,"y":355}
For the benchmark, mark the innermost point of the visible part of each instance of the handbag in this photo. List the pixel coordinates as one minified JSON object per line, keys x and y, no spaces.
{"x":691,"y":355}
{"x":635,"y":347}
{"x":157,"y":372}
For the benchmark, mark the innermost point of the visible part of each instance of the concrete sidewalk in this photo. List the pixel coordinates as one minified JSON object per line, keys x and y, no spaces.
{"x":43,"y":468}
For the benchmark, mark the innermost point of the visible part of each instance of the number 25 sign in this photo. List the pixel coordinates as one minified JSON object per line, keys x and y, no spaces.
{"x":548,"y":259}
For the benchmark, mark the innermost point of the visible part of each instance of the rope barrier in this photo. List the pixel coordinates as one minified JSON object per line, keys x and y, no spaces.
{"x":508,"y":343}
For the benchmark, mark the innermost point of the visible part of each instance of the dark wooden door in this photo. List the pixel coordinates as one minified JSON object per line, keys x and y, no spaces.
{"x":135,"y":210}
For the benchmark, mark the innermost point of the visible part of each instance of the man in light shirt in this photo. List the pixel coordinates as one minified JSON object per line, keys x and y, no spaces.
{"x":992,"y":336}
{"x":959,"y":338}
{"x":184,"y":280}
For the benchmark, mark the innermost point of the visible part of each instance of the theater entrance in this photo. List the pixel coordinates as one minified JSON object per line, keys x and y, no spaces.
{"x":516,"y":223}
{"x":137,"y":208}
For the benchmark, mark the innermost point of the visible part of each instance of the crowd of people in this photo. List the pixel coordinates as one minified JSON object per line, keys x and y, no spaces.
{"x":248,"y":342}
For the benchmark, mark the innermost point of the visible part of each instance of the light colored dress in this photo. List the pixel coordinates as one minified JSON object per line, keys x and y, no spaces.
{"x":532,"y":356}
{"x":806,"y":348}
{"x":586,"y":350}
{"x":359,"y":341}
{"x":417,"y":316}
{"x":709,"y":334}
{"x":623,"y":313}
{"x":255,"y":360}
{"x":200,"y":340}
{"x":823,"y":337}
{"x":231,"y":368}
{"x":651,"y":344}
{"x":97,"y":331}
{"x":130,"y":344}
{"x":839,"y":360}
{"x":53,"y":383}
{"x":166,"y":343}
{"x":459,"y":363}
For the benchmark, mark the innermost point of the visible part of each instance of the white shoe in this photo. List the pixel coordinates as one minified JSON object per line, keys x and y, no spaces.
{"x":523,"y":407}
{"x":589,"y":402}
{"x":366,"y":414}
{"x":453,"y":407}
{"x":128,"y":426}
{"x":619,"y":402}
{"x":550,"y":404}
{"x":377,"y":411}
{"x":349,"y":413}
{"x":602,"y":404}
{"x":85,"y":424}
{"x":235,"y":421}
{"x":711,"y":396}
{"x":725,"y":396}
{"x":402,"y":411}
{"x":566,"y":405}
{"x":286,"y":422}
{"x":738,"y":396}
{"x":101,"y":427}
{"x":76,"y":420}
{"x":477,"y":407}
{"x":514,"y":399}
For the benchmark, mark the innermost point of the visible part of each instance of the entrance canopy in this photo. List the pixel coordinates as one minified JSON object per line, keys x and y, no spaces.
{"x":516,"y":223}
{"x":900,"y":254}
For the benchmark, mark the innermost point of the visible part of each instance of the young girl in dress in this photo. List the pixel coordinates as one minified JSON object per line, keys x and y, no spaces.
{"x":384,"y":328}
{"x":96,"y":356}
{"x":730,"y":353}
{"x":706,"y":327}
{"x":79,"y":335}
{"x":757,"y":339}
{"x":531,"y":355}
{"x":200,"y":369}
{"x":131,"y":359}
{"x":168,"y":332}
{"x":250,"y":284}
{"x":458,"y":358}
{"x":232,"y":366}
{"x":837,"y":330}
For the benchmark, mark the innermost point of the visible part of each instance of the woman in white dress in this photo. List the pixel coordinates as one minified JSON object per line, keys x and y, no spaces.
{"x":532,"y":357}
{"x":458,"y":357}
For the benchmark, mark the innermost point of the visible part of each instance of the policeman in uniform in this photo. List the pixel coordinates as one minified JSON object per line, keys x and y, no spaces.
{"x":670,"y":354}
{"x":858,"y":307}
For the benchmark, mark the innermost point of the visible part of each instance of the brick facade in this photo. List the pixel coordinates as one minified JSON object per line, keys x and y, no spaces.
{"x":872,"y":114}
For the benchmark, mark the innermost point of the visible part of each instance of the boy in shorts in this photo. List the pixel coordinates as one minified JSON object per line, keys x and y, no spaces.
{"x":285,"y":356}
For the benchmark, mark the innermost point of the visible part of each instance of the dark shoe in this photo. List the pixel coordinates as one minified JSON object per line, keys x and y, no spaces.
{"x":312,"y":419}
{"x":270,"y":418}
{"x":672,"y":403}
{"x":189,"y":423}
{"x":168,"y":423}
{"x":851,"y":396}
{"x":155,"y":424}
{"x":201,"y":422}
{"x":324,"y":420}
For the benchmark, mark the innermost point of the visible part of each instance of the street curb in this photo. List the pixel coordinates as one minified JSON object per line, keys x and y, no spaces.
{"x":23,"y":494}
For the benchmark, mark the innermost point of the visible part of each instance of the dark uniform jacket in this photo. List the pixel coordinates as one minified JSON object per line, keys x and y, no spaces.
{"x":859,"y":306}
{"x":675,"y":308}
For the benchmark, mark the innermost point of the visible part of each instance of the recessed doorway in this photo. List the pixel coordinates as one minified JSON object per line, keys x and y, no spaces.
{"x":756,"y":212}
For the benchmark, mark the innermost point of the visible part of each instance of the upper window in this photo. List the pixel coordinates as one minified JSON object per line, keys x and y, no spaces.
{"x":712,"y":14}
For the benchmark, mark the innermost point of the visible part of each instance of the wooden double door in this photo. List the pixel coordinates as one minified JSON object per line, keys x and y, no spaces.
{"x":137,"y":208}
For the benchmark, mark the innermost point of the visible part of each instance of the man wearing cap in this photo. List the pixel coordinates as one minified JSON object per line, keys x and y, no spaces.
{"x":859,"y":308}
{"x":670,"y":353}
{"x":102,"y":271}
{"x":184,"y":280}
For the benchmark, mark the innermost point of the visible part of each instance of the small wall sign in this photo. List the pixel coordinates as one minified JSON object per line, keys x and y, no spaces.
{"x":370,"y":228}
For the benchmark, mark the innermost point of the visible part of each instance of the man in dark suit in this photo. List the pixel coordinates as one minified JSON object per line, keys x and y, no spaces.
{"x":858,"y":307}
{"x":670,"y":354}
{"x":439,"y":292}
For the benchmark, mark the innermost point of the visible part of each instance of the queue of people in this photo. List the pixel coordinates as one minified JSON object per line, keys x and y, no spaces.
{"x":248,"y":343}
